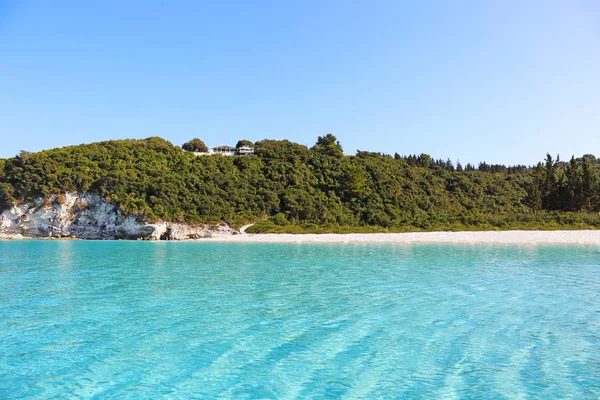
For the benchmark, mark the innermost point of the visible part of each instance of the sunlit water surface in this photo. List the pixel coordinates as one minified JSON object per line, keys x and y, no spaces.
{"x":207,"y":320}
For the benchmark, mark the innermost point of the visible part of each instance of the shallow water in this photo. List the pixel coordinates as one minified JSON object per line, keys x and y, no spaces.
{"x":214,"y":320}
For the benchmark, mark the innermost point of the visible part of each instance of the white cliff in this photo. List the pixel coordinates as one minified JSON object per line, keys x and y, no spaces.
{"x":89,"y":216}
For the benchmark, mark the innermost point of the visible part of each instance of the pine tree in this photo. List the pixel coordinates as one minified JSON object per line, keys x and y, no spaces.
{"x":549,"y":198}
{"x":534,"y":192}
{"x":572,"y":198}
{"x":588,"y":185}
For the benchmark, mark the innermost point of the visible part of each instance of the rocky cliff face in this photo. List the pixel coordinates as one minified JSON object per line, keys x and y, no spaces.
{"x":89,"y":216}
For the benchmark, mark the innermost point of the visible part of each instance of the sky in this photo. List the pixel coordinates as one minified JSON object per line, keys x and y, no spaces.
{"x":501,"y":81}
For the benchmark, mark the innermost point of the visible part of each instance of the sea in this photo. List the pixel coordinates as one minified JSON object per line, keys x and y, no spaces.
{"x":183,"y":320}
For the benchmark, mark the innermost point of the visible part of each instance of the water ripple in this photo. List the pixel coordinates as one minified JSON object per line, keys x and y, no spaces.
{"x":205,"y":320}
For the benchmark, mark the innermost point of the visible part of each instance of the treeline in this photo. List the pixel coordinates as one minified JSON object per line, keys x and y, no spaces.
{"x":425,"y":160}
{"x":303,"y":189}
{"x":571,"y":186}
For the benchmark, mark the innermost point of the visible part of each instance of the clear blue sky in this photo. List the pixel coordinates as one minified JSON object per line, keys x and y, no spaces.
{"x":500,"y":81}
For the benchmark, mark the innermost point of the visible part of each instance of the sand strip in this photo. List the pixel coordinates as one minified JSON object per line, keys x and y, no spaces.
{"x":587,"y":237}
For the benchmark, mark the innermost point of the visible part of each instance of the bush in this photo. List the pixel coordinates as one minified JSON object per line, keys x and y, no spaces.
{"x":280,"y":219}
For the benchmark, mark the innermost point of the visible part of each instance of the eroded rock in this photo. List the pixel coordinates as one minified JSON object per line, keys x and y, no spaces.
{"x":89,"y":216}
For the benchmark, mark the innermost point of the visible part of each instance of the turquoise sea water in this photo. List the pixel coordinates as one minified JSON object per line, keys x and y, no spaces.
{"x":208,"y":320}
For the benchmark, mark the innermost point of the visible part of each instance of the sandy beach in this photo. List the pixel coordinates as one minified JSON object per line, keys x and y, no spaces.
{"x":586,"y":237}
{"x":583,"y":237}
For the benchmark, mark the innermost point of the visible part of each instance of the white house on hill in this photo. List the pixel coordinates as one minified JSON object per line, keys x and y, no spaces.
{"x":245,"y":151}
{"x":228,"y":151}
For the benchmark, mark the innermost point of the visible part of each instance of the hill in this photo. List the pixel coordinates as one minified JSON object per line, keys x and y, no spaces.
{"x":309,"y":190}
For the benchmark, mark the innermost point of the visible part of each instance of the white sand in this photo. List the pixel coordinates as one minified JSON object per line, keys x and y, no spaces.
{"x":485,"y":237}
{"x":480,"y":237}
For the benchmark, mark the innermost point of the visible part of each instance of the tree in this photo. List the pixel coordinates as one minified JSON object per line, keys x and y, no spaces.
{"x":6,"y":195}
{"x":534,"y":193}
{"x":244,"y":142}
{"x":549,"y":189}
{"x":424,"y":160}
{"x":572,"y":199}
{"x":355,"y":182}
{"x":588,"y":184}
{"x":195,"y":145}
{"x":328,"y":145}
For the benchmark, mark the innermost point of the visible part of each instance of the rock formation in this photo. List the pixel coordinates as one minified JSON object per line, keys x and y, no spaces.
{"x":89,"y":216}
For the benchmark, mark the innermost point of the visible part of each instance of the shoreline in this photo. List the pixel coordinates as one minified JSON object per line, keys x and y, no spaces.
{"x":584,"y":237}
{"x":515,"y":237}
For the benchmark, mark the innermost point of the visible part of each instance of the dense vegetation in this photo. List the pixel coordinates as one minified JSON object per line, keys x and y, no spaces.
{"x":319,"y":189}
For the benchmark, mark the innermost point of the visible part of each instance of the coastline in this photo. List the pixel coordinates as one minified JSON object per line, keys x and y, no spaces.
{"x":515,"y":237}
{"x":583,"y":237}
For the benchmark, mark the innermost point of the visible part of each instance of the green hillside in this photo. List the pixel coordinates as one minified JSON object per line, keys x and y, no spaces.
{"x":310,"y":190}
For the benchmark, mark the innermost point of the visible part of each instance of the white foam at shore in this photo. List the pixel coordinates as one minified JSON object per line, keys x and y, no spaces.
{"x":482,"y":237}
